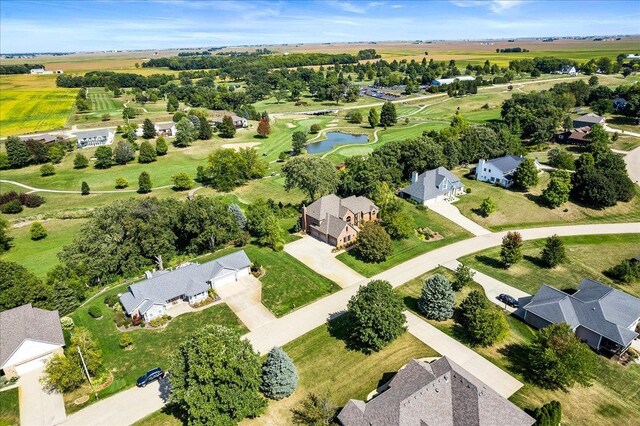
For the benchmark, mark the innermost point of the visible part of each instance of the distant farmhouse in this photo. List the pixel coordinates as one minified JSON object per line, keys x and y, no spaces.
{"x":88,"y":138}
{"x":150,"y":298}
{"x":567,"y":70}
{"x":445,"y":81}
{"x":239,"y":122}
{"x":603,"y":317}
{"x":166,"y":129}
{"x":40,"y":71}
{"x":334,"y":220}
{"x":500,"y":170}
{"x":588,"y":120}
{"x":437,"y":394}
{"x":432,"y":186}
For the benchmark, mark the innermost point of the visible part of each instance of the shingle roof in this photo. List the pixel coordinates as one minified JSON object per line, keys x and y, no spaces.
{"x":332,"y":226}
{"x":590,"y":118}
{"x":426,"y":186}
{"x":440,"y":393}
{"x":506,"y":164}
{"x":93,"y":133}
{"x":187,"y":280}
{"x":602,"y":309}
{"x":335,"y":206}
{"x":165,"y":126}
{"x":26,"y":322}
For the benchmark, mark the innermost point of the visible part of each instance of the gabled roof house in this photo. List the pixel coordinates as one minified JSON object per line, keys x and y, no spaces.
{"x":437,"y":394}
{"x":588,"y":120}
{"x":149,"y":299}
{"x":603,"y":317}
{"x":87,"y":138}
{"x":334,"y":220}
{"x":28,"y":338}
{"x":500,"y":170}
{"x":433,"y":185}
{"x":166,"y":129}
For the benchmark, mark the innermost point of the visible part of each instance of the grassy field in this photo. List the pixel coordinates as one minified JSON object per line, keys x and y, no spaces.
{"x":611,"y":401}
{"x":588,"y":256}
{"x":40,"y":256}
{"x":412,"y":246}
{"x":530,"y":212}
{"x":10,"y":407}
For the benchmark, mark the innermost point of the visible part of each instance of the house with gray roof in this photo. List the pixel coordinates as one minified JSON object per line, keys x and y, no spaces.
{"x":88,"y":138}
{"x":335,"y":220}
{"x":166,"y":129}
{"x":588,"y":120}
{"x":500,"y":170}
{"x":28,"y":338}
{"x":433,"y":185}
{"x":190,"y":283}
{"x":603,"y":317}
{"x":440,"y":393}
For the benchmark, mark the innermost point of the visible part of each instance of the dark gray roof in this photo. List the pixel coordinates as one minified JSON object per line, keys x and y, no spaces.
{"x":506,"y":164}
{"x":188,"y":280}
{"x":600,"y":308}
{"x":45,"y":137}
{"x":332,"y":226}
{"x":436,"y":394}
{"x":428,"y":184}
{"x":27,"y":323}
{"x":590,"y":118}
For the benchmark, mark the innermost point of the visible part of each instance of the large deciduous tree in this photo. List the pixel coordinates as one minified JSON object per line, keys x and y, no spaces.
{"x":17,"y":152}
{"x":437,"y":299}
{"x":558,"y":190}
{"x":526,"y":174}
{"x":373,"y":243}
{"x":314,"y":176}
{"x":483,"y":321}
{"x":388,"y":115}
{"x":298,"y":141}
{"x":104,"y":157}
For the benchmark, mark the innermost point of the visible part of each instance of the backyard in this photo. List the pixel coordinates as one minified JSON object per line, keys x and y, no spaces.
{"x":10,"y":407}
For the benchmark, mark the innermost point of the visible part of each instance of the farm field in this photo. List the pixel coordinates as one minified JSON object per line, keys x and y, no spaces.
{"x":585,"y":260}
{"x":606,"y":402}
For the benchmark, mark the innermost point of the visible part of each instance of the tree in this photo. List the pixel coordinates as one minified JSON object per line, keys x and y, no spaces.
{"x":314,"y":176}
{"x":263,"y":224}
{"x":226,"y":127}
{"x":184,"y":133}
{"x":37,"y":231}
{"x":558,"y":359}
{"x":147,"y":154}
{"x":397,"y":221}
{"x":593,"y":81}
{"x":215,"y":377}
{"x":553,"y":253}
{"x":315,"y":410}
{"x":437,"y":299}
{"x":84,"y":188}
{"x":354,"y":117}
{"x":182,"y":181}
{"x":238,"y":215}
{"x":126,"y":340}
{"x":487,"y":207}
{"x":315,"y":128}
{"x":62,"y":373}
{"x":550,"y":414}
{"x":484,"y":323}
{"x":12,"y":207}
{"x":279,"y":375}
{"x":511,"y":251}
{"x":388,"y":115}
{"x":264,"y":127}
{"x":298,"y":141}
{"x":602,"y":106}
{"x":463,"y":277}
{"x":104,"y":157}
{"x":17,"y":152}
{"x":148,"y":129}
{"x":121,"y":183}
{"x":172,"y":103}
{"x":373,"y":243}
{"x":144,"y":183}
{"x":5,"y":239}
{"x":557,"y":191}
{"x":375,"y":316}
{"x":83,"y":340}
{"x":47,"y":170}
{"x":526,"y":174}
{"x":128,"y":112}
{"x":80,"y":161}
{"x":161,"y":146}
{"x":18,"y":286}
{"x":123,"y":153}
{"x":561,"y":159}
{"x":205,"y":132}
{"x":373,"y":118}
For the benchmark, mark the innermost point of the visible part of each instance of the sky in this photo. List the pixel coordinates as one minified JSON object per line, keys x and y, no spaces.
{"x":86,"y":25}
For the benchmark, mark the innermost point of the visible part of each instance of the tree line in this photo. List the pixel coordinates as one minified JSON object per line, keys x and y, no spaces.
{"x":18,"y":69}
{"x":113,"y":80}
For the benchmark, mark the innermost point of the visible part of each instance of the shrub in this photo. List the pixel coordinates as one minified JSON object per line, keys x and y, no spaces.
{"x":315,"y":128}
{"x":315,"y":411}
{"x":255,"y":266}
{"x":487,"y":207}
{"x":437,"y":299}
{"x":12,"y":207}
{"x":47,"y":170}
{"x":84,"y":188}
{"x":160,"y":321}
{"x":511,"y":251}
{"x":31,"y":200}
{"x":626,"y":271}
{"x":111,"y":300}
{"x":80,"y":162}
{"x":121,"y":183}
{"x":550,"y":414}
{"x":553,"y":253}
{"x":468,"y":190}
{"x":95,"y":312}
{"x":182,"y":181}
{"x":463,"y":276}
{"x":37,"y":231}
{"x":125,"y":340}
{"x":279,"y":375}
{"x":67,"y":323}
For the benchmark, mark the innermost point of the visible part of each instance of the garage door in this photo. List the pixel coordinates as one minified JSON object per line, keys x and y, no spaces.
{"x":32,"y":365}
{"x":225,"y":278}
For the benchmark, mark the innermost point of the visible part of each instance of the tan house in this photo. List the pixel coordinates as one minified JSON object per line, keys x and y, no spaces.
{"x":335,"y":220}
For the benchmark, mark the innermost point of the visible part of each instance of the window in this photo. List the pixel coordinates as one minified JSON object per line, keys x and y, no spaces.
{"x":485,"y":169}
{"x":489,"y":170}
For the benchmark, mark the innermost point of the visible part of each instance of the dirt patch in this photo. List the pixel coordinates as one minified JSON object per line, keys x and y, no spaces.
{"x":237,"y":146}
{"x":291,"y":125}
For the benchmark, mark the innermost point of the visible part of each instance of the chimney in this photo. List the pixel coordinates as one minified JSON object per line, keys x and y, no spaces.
{"x":148,"y":274}
{"x":414,"y":177}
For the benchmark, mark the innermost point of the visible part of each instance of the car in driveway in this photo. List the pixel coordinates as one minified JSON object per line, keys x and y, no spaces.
{"x":149,"y":376}
{"x":508,"y":300}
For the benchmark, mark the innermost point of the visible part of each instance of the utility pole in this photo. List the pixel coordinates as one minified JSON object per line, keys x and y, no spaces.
{"x":84,"y":366}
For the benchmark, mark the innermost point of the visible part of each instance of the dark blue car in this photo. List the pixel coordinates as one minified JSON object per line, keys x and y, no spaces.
{"x":149,"y":377}
{"x":509,"y":300}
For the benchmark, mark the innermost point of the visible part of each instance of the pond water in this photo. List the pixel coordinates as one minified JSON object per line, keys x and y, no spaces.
{"x":333,"y":139}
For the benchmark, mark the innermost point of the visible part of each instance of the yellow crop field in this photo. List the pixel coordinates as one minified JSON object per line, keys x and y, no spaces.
{"x":33,"y":104}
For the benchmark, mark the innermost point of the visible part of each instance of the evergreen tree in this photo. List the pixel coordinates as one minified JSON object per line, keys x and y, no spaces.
{"x":205,"y":132}
{"x":5,"y":239}
{"x":84,"y":188}
{"x":148,"y":129}
{"x":526,"y":174}
{"x":184,"y":135}
{"x":437,"y":299}
{"x":511,"y":251}
{"x":279,"y":375}
{"x":388,"y":116}
{"x":17,"y":152}
{"x":161,"y":146}
{"x":238,"y":215}
{"x":80,"y":161}
{"x":147,"y":153}
{"x":373,"y":118}
{"x":553,"y":253}
{"x":37,"y":231}
{"x":463,"y":276}
{"x":144,"y":183}
{"x":487,"y":207}
{"x":550,"y":414}
{"x":226,"y":127}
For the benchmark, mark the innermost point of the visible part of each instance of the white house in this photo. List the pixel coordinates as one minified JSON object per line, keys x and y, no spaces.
{"x":40,"y":71}
{"x":433,"y":185}
{"x":444,"y":81}
{"x":87,"y":138}
{"x":500,"y":170}
{"x":239,"y":122}
{"x":568,"y":70}
{"x":28,"y":338}
{"x":166,"y":129}
{"x":190,"y":283}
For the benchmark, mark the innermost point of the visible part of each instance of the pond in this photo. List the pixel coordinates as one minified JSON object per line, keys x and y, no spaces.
{"x":333,"y":139}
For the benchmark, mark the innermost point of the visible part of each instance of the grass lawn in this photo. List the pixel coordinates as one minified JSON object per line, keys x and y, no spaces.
{"x":589,"y":256}
{"x":612,"y":400}
{"x":127,"y":365}
{"x":10,"y":407}
{"x":529,"y":213}
{"x":40,"y":256}
{"x":626,"y":143}
{"x":410,"y":247}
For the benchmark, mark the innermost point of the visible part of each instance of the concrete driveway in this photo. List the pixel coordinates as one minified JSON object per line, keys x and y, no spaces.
{"x":451,"y":212}
{"x":244,"y":297}
{"x":37,"y":406}
{"x":318,"y":256}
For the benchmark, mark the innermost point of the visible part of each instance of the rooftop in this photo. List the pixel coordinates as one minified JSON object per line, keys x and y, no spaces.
{"x":427,"y":184}
{"x":507,"y":163}
{"x":591,"y":118}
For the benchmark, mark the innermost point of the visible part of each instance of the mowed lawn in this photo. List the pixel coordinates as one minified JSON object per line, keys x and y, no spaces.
{"x":409,"y":247}
{"x":611,"y":401}
{"x":42,"y":255}
{"x":10,"y":407}
{"x":588,"y":256}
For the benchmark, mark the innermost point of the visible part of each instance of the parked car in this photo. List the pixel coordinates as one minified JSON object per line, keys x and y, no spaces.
{"x":509,"y":300}
{"x":149,"y":376}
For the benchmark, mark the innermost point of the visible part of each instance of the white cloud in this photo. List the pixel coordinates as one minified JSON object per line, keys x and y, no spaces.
{"x":396,"y":6}
{"x":496,"y":6}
